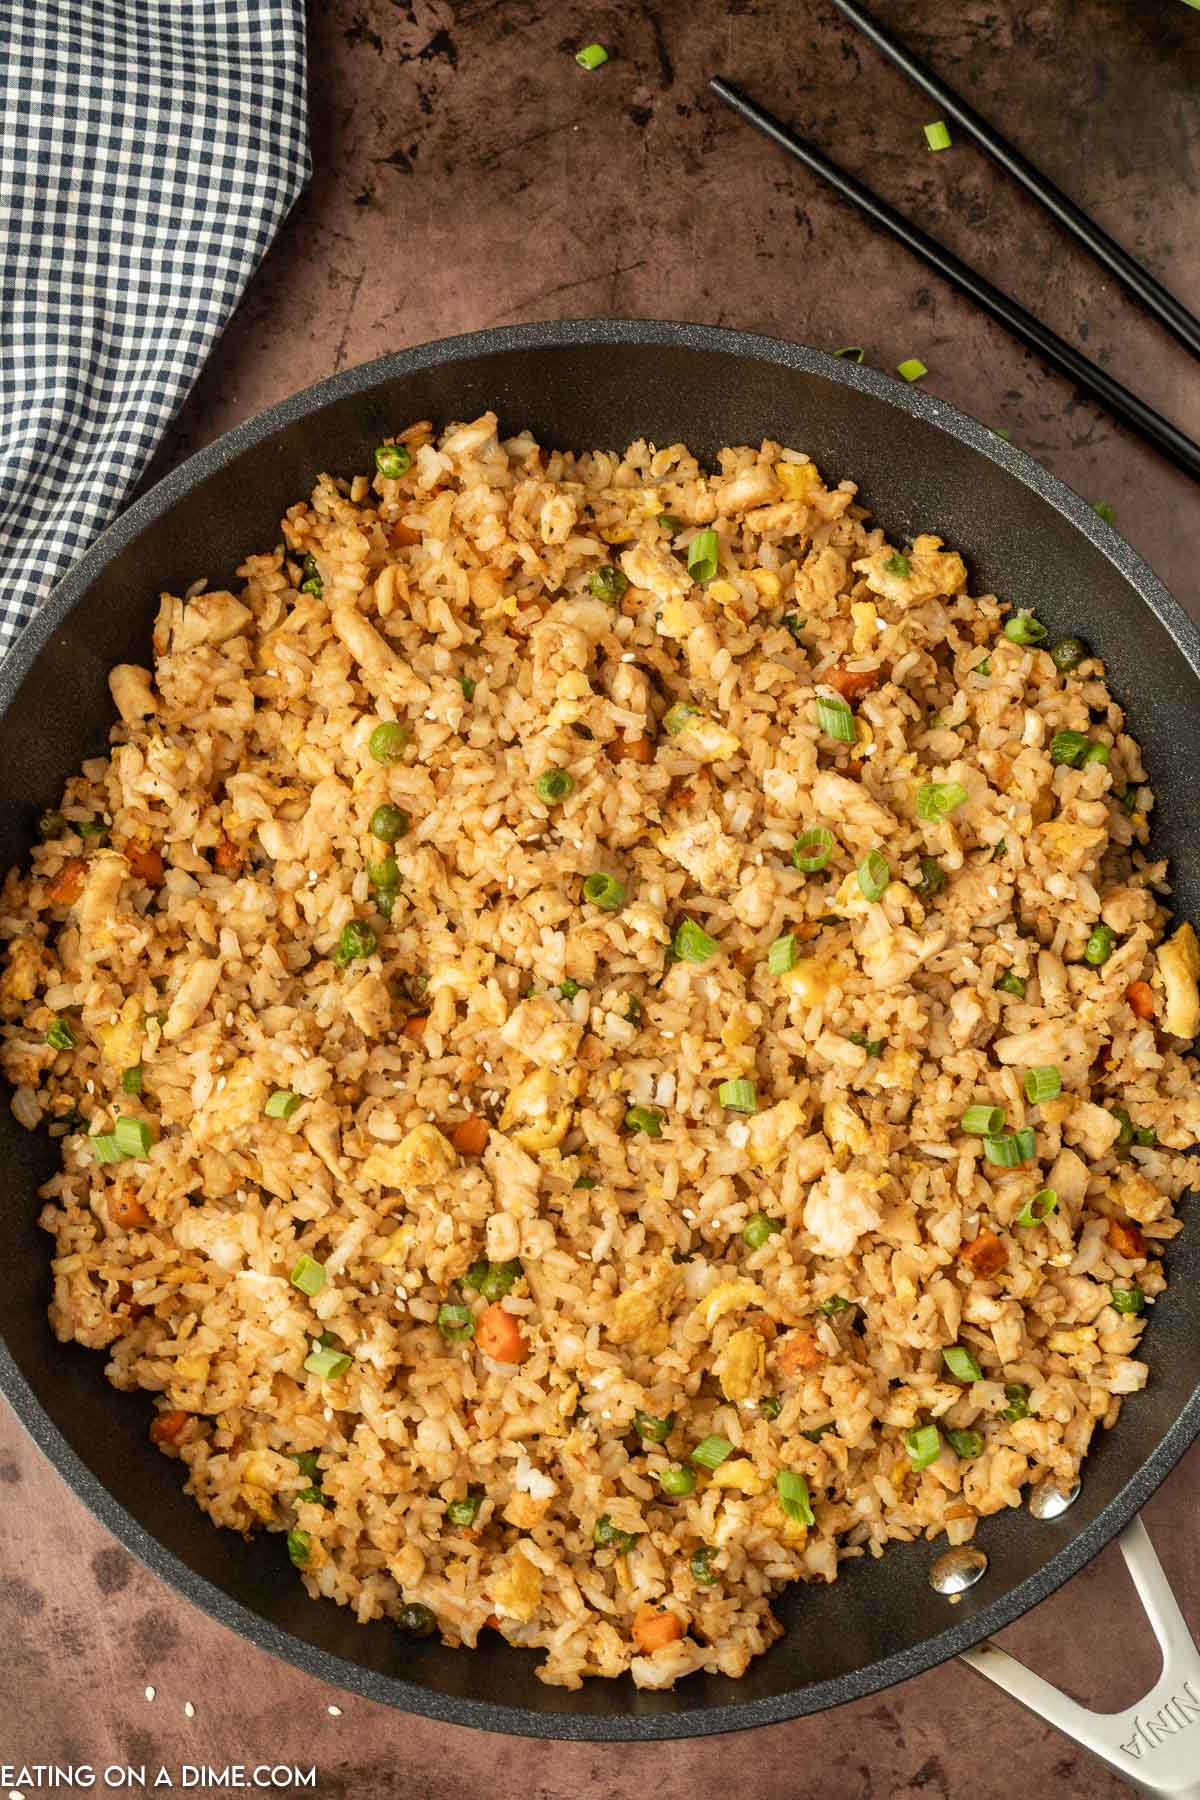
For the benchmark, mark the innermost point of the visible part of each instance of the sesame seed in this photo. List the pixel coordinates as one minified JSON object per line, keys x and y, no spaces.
{"x":189,"y":1711}
{"x":220,"y":1082}
{"x":150,"y":1692}
{"x":229,"y":1018}
{"x":335,"y":1712}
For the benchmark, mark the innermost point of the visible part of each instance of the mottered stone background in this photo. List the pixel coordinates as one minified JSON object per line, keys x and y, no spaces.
{"x":469,"y":174}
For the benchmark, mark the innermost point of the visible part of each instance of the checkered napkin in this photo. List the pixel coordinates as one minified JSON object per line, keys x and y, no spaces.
{"x":149,"y":150}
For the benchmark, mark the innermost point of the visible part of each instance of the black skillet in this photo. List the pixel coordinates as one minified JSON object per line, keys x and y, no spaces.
{"x":919,"y":465}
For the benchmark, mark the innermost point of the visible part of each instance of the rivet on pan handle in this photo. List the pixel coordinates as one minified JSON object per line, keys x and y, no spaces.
{"x":1154,"y":1745}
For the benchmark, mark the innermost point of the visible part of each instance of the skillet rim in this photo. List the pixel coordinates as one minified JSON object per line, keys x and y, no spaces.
{"x":393,"y":1690}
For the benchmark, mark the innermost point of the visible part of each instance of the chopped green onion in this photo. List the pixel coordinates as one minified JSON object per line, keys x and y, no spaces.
{"x":51,"y":825}
{"x":605,"y":891}
{"x":897,"y":564}
{"x":1038,"y":1207}
{"x":703,"y":557}
{"x":932,"y":877}
{"x":308,"y":1275}
{"x":1128,"y":1300}
{"x":938,"y":798}
{"x":607,"y":1536}
{"x":874,"y":874}
{"x":592,"y":56}
{"x":644,"y":1118}
{"x":554,"y":786}
{"x":393,"y":460}
{"x":1105,"y":511}
{"x":1023,"y":628}
{"x":493,"y":1280}
{"x":999,"y":849}
{"x":872,"y":1046}
{"x":633,"y":1009}
{"x":836,"y":1303}
{"x":310,"y":577}
{"x":61,"y":1035}
{"x":1010,"y":1148}
{"x":792,"y":1490}
{"x":468,"y":686}
{"x":328,"y":1363}
{"x":1096,"y":752}
{"x":795,"y":623}
{"x":462,"y":1512}
{"x":738,"y":1096}
{"x":388,"y":742}
{"x":1042,"y":1083}
{"x":356,"y":940}
{"x":569,"y":988}
{"x":299,"y":1546}
{"x":982,"y":1121}
{"x":307,"y":1463}
{"x":782,"y":955}
{"x":836,"y":719}
{"x":700,"y":1560}
{"x":965,"y":1443}
{"x":758,"y":1228}
{"x":1125,"y":1135}
{"x":984,"y":667}
{"x":1068,"y":747}
{"x":131,"y":1080}
{"x":455,"y":1321}
{"x":1099,"y":946}
{"x":677,"y":1480}
{"x":678,"y":717}
{"x":1017,"y":1396}
{"x":923,"y":1445}
{"x":654,"y":1430}
{"x":608,"y":582}
{"x":282,"y":1104}
{"x":104,"y":1147}
{"x":1145,"y":1135}
{"x":912,"y":368}
{"x":670,"y":524}
{"x":692,"y":944}
{"x":770,"y":1406}
{"x":854,"y":351}
{"x":133,"y":1137}
{"x":813,"y":848}
{"x":961,"y":1362}
{"x":818,"y":1432}
{"x":92,"y":831}
{"x":328,"y":1340}
{"x":587,"y":1182}
{"x":937,"y":136}
{"x":711,"y":1451}
{"x":1012,"y":984}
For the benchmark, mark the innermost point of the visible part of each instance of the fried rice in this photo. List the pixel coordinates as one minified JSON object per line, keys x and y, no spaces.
{"x":522,"y":1149}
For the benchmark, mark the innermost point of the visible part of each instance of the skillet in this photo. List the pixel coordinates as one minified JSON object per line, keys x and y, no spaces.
{"x":919,"y":464}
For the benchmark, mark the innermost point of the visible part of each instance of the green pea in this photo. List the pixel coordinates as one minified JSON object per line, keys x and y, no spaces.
{"x":389,"y":823}
{"x":388,"y":742}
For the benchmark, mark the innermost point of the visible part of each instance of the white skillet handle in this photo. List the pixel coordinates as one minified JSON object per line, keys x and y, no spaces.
{"x":1154,"y":1745}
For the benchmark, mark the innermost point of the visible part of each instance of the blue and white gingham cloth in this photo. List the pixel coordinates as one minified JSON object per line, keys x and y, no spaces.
{"x":149,"y":150}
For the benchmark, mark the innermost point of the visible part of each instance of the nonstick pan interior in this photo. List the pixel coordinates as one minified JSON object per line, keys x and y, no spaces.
{"x":919,"y":465}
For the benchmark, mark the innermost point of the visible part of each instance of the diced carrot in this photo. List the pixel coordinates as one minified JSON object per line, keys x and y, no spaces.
{"x":638,"y":749}
{"x":146,"y":864}
{"x":402,"y":535}
{"x":227,"y":857}
{"x":414,"y":1026}
{"x":799,"y":1350}
{"x":986,"y":1255}
{"x":851,"y":683}
{"x":492,"y":1622}
{"x":126,"y":1211}
{"x":1125,"y":1238}
{"x":67,"y":885}
{"x":655,"y":1628}
{"x":1140,"y":996}
{"x":470,"y":1137}
{"x":499,"y":1336}
{"x":168,"y":1427}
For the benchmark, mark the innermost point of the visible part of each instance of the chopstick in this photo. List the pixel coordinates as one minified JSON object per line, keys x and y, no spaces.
{"x":1118,"y":400}
{"x":1130,"y":273}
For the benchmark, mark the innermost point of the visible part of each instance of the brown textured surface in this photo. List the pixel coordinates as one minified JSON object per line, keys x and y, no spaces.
{"x":468,"y":174}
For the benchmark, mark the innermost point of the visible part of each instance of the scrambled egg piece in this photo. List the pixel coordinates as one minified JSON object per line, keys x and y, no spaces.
{"x":739,"y":1367}
{"x":1179,"y":966}
{"x":517,"y":1589}
{"x":704,"y":738}
{"x":910,"y":576}
{"x":740,"y":1474}
{"x":539,"y":1029}
{"x":121,"y":1043}
{"x":706,"y":853}
{"x":536,"y":1112}
{"x":727,"y":1297}
{"x":640,"y":1309}
{"x":771,"y":1131}
{"x":418,"y":1160}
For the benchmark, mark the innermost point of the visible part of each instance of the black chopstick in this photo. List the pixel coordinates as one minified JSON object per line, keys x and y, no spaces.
{"x":1119,"y":401}
{"x":1152,"y":294}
